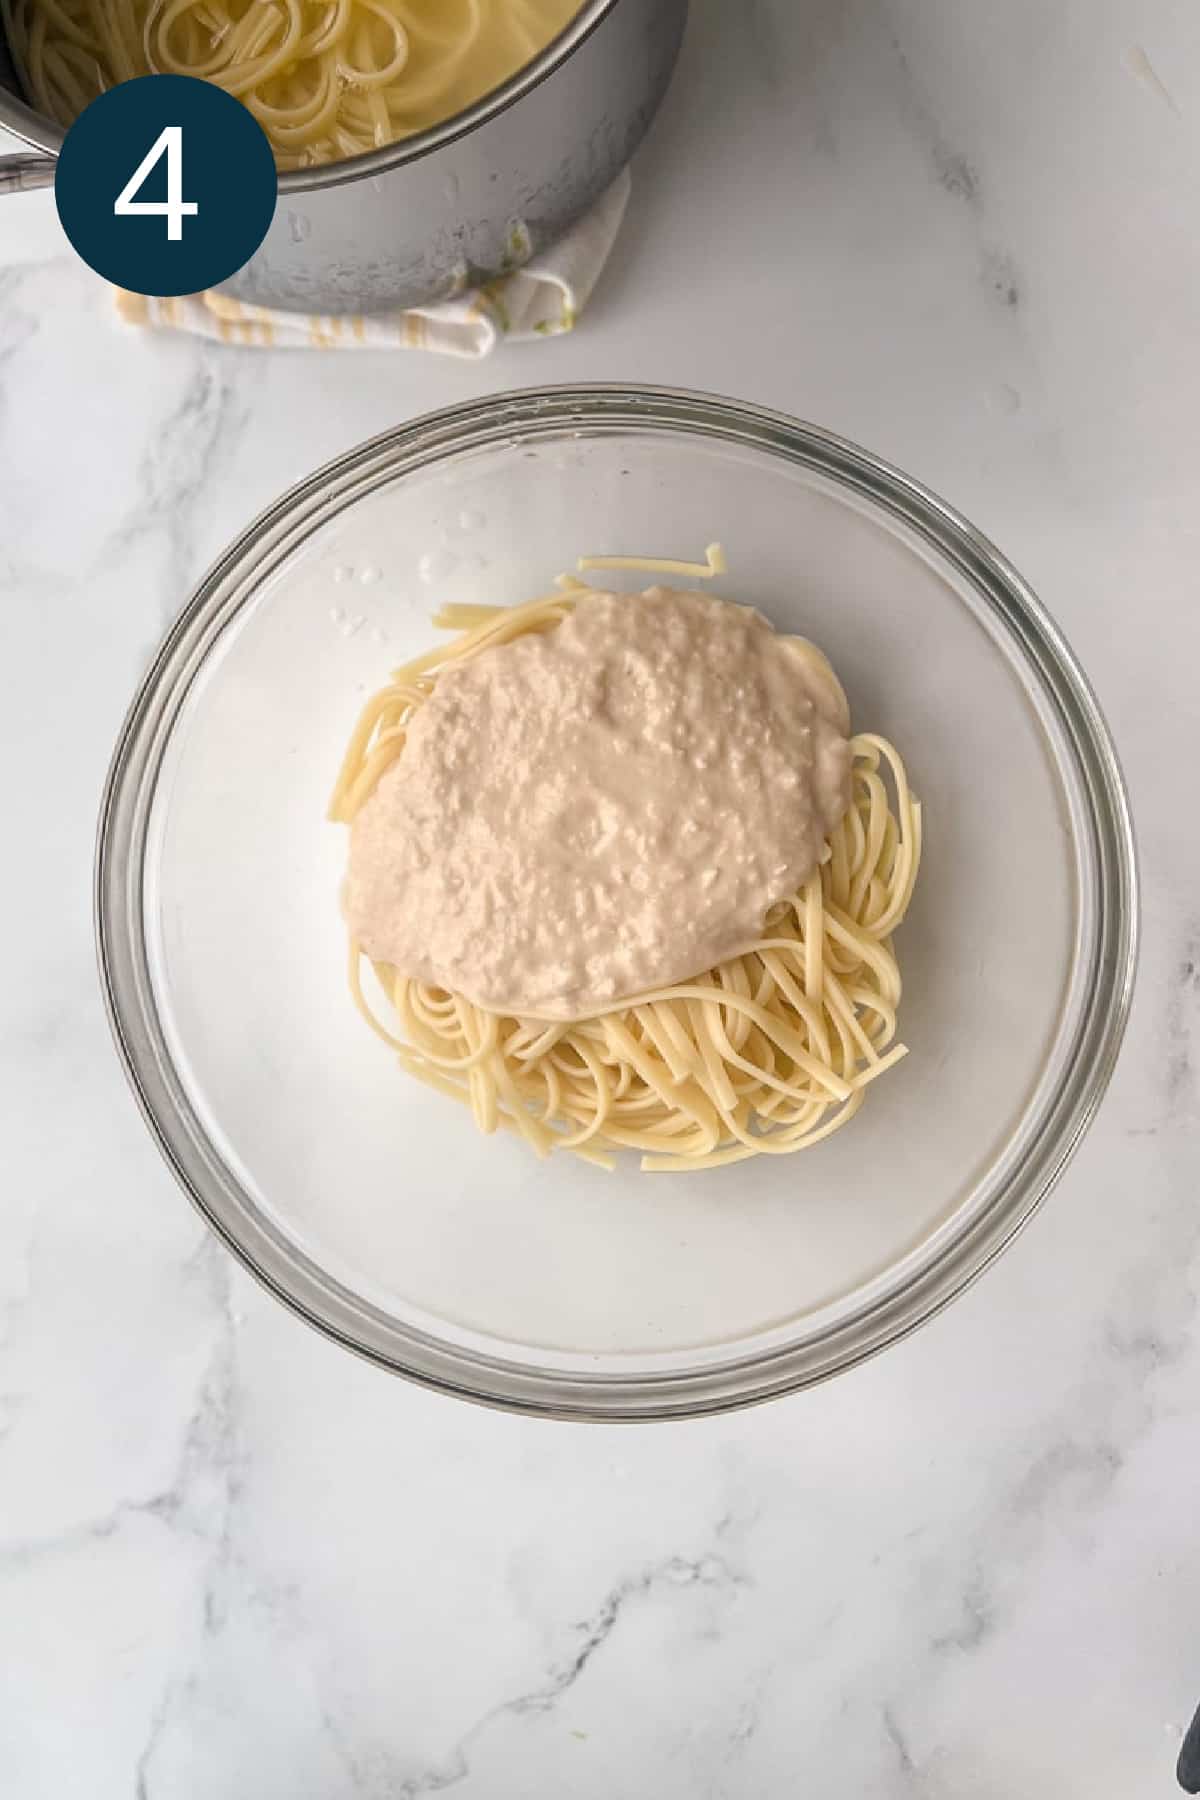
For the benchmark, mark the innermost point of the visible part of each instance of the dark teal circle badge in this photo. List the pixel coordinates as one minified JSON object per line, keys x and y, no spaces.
{"x":166,"y":185}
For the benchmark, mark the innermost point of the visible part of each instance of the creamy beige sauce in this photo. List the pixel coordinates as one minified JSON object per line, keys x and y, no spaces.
{"x":603,"y":809}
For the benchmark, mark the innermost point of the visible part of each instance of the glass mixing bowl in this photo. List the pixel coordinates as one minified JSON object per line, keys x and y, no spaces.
{"x":368,"y":1202}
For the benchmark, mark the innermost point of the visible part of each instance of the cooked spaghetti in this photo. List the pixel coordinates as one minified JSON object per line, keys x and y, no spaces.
{"x":765,"y":1053}
{"x":325,"y":79}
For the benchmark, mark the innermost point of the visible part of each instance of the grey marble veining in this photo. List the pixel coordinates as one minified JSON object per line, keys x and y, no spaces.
{"x":235,"y":1561}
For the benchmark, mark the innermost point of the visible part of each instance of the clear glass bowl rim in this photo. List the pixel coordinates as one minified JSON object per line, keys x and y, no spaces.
{"x":1084,"y":1065}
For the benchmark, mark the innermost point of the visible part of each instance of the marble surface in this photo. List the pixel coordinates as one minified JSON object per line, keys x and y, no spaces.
{"x":233,"y":1560}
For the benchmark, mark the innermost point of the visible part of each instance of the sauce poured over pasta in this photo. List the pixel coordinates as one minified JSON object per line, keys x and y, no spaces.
{"x":593,"y":793}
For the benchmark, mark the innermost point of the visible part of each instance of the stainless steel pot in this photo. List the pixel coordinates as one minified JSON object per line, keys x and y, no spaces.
{"x":420,"y":220}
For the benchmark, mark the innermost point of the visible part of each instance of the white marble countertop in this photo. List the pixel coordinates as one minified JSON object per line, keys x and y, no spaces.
{"x":233,"y":1560}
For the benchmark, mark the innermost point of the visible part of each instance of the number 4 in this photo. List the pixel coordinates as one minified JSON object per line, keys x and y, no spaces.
{"x":174,"y":208}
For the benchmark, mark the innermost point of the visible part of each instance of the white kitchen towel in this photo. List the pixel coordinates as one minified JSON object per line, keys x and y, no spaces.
{"x":541,"y":299}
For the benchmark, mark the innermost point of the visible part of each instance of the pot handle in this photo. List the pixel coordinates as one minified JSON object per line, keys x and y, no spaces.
{"x":19,"y":173}
{"x":1188,"y":1771}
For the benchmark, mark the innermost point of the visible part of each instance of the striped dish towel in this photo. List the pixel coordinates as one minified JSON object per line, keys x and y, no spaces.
{"x":542,"y":299}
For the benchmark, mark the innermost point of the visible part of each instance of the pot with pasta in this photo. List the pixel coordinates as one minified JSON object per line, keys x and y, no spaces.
{"x":422,"y":145}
